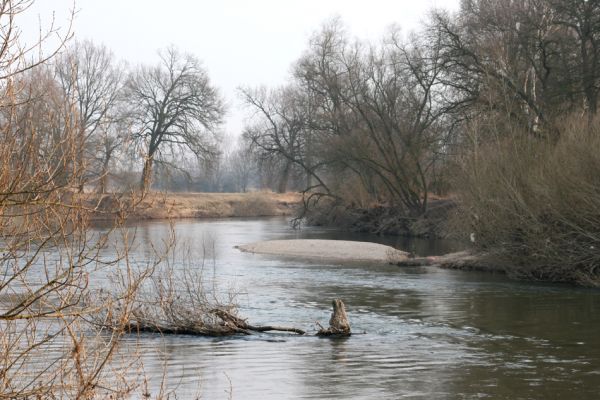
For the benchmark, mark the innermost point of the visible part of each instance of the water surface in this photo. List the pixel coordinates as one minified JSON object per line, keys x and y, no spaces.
{"x":422,"y":333}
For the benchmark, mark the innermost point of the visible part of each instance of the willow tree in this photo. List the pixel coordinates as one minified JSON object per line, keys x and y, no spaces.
{"x":174,"y":109}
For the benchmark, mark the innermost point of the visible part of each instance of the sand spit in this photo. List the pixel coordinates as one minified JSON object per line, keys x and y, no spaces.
{"x":336,"y":250}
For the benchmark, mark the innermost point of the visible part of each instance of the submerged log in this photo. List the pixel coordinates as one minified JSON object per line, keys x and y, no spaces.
{"x":338,"y":323}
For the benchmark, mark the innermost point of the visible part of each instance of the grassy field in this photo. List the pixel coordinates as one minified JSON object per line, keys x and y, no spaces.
{"x":205,"y":205}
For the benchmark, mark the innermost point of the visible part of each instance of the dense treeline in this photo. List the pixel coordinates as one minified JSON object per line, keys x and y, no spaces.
{"x":494,"y":106}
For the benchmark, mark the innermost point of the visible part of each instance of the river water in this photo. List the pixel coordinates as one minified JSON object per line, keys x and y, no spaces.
{"x":421,"y":333}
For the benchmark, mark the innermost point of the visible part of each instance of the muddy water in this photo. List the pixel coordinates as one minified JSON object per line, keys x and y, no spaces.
{"x":423,"y":333}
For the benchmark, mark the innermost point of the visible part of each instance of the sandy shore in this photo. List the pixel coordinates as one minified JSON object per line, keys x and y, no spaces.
{"x":336,"y":250}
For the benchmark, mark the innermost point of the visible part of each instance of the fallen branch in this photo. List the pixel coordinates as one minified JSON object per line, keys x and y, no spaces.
{"x":241,"y":324}
{"x":226,"y":324}
{"x":180,"y":304}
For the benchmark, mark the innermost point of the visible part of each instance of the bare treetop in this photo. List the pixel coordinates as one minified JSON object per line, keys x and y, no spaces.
{"x":174,"y":108}
{"x":89,"y":75}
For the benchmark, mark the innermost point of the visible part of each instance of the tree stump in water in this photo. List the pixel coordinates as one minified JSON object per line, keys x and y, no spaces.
{"x":338,"y":323}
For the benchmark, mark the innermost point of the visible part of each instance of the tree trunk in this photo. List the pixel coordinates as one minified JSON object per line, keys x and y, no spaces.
{"x":79,"y":159}
{"x":104,"y":176}
{"x":285,"y":176}
{"x":338,"y":323}
{"x":146,"y":181}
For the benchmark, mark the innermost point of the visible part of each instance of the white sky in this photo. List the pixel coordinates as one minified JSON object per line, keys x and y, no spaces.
{"x":241,"y":43}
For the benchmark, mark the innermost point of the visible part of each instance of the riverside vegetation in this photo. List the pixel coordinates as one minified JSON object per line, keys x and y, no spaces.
{"x":482,"y":124}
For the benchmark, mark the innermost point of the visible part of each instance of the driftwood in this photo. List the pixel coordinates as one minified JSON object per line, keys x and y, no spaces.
{"x":338,"y":323}
{"x":244,"y":326}
{"x":186,"y":315}
{"x":230,"y":324}
{"x":227,"y":325}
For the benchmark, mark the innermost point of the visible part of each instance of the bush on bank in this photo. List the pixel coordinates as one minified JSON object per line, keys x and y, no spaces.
{"x":533,"y":203}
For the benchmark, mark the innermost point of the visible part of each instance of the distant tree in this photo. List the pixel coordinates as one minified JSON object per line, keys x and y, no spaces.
{"x":93,"y":81}
{"x":278,"y":131}
{"x":242,"y":168}
{"x":173,"y":108}
{"x":109,"y":141}
{"x":42,"y":108}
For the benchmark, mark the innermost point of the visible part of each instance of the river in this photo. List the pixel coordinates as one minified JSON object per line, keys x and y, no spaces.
{"x":421,"y":333}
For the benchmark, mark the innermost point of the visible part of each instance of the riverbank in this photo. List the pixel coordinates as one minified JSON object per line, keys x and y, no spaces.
{"x":352,"y":251}
{"x":385,"y":220}
{"x":158,"y":205}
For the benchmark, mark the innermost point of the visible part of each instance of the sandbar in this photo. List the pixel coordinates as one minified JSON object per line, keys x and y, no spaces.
{"x":335,"y":250}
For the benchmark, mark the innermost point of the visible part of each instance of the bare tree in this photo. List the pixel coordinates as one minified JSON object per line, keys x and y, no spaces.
{"x":110,"y":141}
{"x":372,"y":112}
{"x":278,"y":129}
{"x":242,"y":168}
{"x":93,"y":80}
{"x":174,"y":107}
{"x":526,"y":61}
{"x":581,"y":18}
{"x":396,"y":106}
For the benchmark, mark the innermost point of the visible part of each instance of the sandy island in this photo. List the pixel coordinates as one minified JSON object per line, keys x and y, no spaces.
{"x":336,"y":250}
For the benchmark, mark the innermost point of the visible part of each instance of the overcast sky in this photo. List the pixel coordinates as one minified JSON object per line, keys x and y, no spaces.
{"x":249,"y":43}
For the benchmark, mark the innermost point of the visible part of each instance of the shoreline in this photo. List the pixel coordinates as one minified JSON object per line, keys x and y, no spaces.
{"x":387,"y":220}
{"x":157,"y":205}
{"x":356,"y":251}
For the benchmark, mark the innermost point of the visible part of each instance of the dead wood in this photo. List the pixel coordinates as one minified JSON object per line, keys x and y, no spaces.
{"x":241,"y":324}
{"x":338,"y":323}
{"x":226,"y":324}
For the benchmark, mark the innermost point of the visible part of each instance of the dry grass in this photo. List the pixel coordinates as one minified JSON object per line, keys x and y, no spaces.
{"x":205,"y":205}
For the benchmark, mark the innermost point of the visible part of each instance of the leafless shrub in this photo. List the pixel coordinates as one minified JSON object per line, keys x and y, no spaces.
{"x":48,"y":257}
{"x":177,"y":297}
{"x":534,"y":202}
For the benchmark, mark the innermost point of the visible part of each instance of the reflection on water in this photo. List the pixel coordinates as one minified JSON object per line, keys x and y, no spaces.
{"x":428,"y":333}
